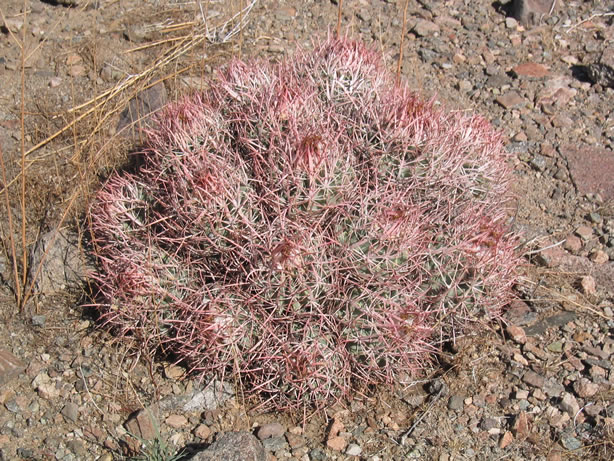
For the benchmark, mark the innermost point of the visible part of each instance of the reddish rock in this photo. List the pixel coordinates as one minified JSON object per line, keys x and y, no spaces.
{"x":517,"y":334}
{"x":336,"y":443}
{"x":591,"y":169}
{"x":202,"y":432}
{"x":550,"y":256}
{"x":176,"y":421}
{"x":530,"y":69}
{"x":599,"y":257}
{"x":142,"y":425}
{"x":506,"y":439}
{"x":572,"y":244}
{"x":510,"y":100}
{"x":521,"y":426}
{"x":585,"y":232}
{"x":270,"y":430}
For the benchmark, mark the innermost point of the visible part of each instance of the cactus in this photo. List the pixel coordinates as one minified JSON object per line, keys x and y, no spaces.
{"x":307,"y":226}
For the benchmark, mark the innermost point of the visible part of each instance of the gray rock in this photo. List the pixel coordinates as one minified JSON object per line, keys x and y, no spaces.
{"x":533,"y":11}
{"x":233,"y":446}
{"x":602,"y":72}
{"x":569,"y":404}
{"x":570,"y":442}
{"x":455,"y":402}
{"x":275,"y":444}
{"x":38,"y":320}
{"x":71,"y":412}
{"x":533,"y":379}
{"x":10,"y":366}
{"x":57,"y":262}
{"x":137,"y":115}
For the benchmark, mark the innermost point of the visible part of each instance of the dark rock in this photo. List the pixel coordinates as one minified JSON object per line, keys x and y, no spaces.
{"x":233,"y":446}
{"x":602,"y":72}
{"x":137,"y":116}
{"x":532,"y":11}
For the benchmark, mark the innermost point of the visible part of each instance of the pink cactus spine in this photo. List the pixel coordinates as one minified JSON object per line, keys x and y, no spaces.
{"x":308,"y":226}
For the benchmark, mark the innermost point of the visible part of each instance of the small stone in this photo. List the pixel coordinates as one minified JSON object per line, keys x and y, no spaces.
{"x":202,"y":431}
{"x":424,"y":28}
{"x":599,"y":257}
{"x":48,"y":391}
{"x":533,"y":379}
{"x":569,"y":442}
{"x":71,"y":412}
{"x":353,"y":450}
{"x":489,"y":423}
{"x":10,"y":366}
{"x":295,"y":440}
{"x":573,"y":244}
{"x":142,"y":425}
{"x":455,"y":402}
{"x":521,"y":429}
{"x":556,"y":346}
{"x":584,"y":232}
{"x":585,"y":388}
{"x":530,"y":69}
{"x":233,"y":446}
{"x":506,"y":439}
{"x":522,"y":394}
{"x":511,"y":23}
{"x":176,"y":421}
{"x":54,"y":82}
{"x":174,"y":372}
{"x":267,"y":431}
{"x":517,"y":334}
{"x":569,"y":404}
{"x":588,"y":285}
{"x":336,"y":443}
{"x":39,"y":321}
{"x":532,"y":11}
{"x":510,"y":100}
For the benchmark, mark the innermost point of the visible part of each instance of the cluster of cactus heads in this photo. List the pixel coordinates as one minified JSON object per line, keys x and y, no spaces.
{"x":306,"y":227}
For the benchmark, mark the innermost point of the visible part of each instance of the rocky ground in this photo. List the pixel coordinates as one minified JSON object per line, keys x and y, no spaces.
{"x":539,"y":386}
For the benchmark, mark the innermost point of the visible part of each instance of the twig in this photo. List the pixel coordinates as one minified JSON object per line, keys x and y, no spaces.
{"x":419,"y":420}
{"x":529,"y":253}
{"x":403,"y":31}
{"x":593,"y":16}
{"x":339,"y":8}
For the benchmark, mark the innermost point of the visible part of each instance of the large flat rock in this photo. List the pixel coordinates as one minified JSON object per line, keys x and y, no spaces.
{"x":591,"y":169}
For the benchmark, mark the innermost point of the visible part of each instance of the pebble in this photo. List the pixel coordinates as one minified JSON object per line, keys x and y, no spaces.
{"x":353,"y":450}
{"x":269,"y":430}
{"x":455,"y":402}
{"x":176,"y":421}
{"x":337,"y":443}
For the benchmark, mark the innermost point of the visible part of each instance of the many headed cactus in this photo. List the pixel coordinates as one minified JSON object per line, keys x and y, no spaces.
{"x":308,"y":226}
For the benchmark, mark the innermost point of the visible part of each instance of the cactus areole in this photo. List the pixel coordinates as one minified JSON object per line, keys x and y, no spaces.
{"x":308,"y":227}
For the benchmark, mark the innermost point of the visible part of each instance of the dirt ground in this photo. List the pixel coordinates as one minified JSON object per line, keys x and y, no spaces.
{"x":539,"y":386}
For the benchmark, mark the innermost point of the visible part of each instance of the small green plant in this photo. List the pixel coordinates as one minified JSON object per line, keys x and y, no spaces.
{"x":157,"y":450}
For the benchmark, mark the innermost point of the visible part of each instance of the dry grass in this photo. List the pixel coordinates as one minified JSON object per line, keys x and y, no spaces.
{"x":78,"y":144}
